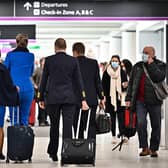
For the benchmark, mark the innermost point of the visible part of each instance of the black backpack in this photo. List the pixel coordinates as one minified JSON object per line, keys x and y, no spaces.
{"x":129,"y":129}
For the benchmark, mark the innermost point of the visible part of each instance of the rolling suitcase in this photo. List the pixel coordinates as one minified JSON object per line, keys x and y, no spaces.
{"x":79,"y":151}
{"x":20,"y":142}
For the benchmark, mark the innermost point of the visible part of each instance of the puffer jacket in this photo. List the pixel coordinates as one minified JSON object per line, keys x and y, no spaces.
{"x":156,"y":71}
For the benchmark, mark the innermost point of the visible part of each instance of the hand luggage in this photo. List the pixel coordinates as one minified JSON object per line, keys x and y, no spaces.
{"x":103,"y":122}
{"x":79,"y":151}
{"x":32,"y":113}
{"x":129,"y":127}
{"x":20,"y":142}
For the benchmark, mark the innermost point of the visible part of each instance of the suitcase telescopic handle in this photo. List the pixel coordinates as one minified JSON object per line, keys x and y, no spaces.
{"x":78,"y":125}
{"x":13,"y":115}
{"x":87,"y":125}
{"x":88,"y":121}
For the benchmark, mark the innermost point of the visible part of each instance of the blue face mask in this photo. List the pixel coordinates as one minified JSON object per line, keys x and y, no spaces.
{"x":144,"y":57}
{"x":114,"y":64}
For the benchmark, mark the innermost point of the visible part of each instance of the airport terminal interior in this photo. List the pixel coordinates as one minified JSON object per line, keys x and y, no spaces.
{"x":102,"y":39}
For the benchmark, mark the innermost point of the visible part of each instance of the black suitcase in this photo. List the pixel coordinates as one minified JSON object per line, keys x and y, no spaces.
{"x":79,"y":151}
{"x":20,"y":142}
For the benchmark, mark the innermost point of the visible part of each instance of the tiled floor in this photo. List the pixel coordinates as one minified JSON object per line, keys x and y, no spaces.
{"x":105,"y":157}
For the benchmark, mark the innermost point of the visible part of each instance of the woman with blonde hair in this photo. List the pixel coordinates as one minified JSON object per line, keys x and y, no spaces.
{"x":20,"y":63}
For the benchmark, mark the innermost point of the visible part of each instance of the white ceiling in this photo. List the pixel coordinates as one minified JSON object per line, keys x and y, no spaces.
{"x":82,"y":30}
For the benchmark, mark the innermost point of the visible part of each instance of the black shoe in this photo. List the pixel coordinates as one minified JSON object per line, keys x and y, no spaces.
{"x":54,"y":158}
{"x":153,"y":154}
{"x":46,"y":123}
{"x":2,"y":157}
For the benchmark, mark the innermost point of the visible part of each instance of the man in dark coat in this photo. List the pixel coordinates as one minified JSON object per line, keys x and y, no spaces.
{"x":8,"y":97}
{"x":60,"y":72}
{"x":91,"y":78}
{"x":142,"y":99}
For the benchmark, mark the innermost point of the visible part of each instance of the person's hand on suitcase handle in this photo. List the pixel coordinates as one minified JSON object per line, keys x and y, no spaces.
{"x":42,"y":104}
{"x":84,"y":105}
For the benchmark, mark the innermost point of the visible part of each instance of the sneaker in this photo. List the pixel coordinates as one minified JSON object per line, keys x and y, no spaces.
{"x":153,"y":154}
{"x":145,"y":152}
{"x":2,"y":157}
{"x":114,"y":140}
{"x":54,"y":158}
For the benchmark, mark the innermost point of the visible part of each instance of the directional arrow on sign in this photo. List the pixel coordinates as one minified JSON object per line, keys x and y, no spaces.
{"x":27,"y":5}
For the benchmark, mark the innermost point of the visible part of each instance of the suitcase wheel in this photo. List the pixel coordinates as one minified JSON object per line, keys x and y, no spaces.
{"x":7,"y":160}
{"x":62,"y":164}
{"x":30,"y":160}
{"x":93,"y":163}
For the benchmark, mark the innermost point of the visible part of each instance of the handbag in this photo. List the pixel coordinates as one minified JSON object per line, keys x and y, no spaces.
{"x":160,"y":88}
{"x":103,"y":122}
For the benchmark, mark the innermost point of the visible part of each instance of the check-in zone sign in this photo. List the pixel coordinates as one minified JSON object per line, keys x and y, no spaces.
{"x":52,"y":8}
{"x":57,"y":8}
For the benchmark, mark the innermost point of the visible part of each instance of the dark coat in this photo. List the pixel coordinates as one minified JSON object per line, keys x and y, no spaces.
{"x":60,"y":71}
{"x":91,"y":79}
{"x":106,"y":83}
{"x":157,"y":72}
{"x":8,"y":92}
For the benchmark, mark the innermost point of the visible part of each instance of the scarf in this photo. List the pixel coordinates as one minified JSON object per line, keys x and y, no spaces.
{"x":115,"y":85}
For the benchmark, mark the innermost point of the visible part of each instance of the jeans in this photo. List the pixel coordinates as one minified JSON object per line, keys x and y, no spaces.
{"x":155,"y":120}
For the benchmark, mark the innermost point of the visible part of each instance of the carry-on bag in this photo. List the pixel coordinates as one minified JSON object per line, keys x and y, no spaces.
{"x":20,"y":141}
{"x":79,"y":151}
{"x":129,"y":129}
{"x":103,"y":122}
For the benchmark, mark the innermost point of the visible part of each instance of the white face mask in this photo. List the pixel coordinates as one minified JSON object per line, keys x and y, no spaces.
{"x":145,"y":57}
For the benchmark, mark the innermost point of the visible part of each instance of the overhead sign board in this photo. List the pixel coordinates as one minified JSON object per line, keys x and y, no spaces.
{"x":51,"y":8}
{"x":81,"y":8}
{"x":6,"y":8}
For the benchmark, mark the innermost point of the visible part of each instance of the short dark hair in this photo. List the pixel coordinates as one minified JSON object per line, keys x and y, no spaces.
{"x":128,"y":65}
{"x":60,"y":43}
{"x":79,"y":48}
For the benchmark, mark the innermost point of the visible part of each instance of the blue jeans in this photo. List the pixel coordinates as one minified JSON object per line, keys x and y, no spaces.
{"x":155,"y":120}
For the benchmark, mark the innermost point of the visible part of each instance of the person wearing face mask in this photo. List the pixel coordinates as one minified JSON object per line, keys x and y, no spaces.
{"x":113,"y":85}
{"x":142,"y":99}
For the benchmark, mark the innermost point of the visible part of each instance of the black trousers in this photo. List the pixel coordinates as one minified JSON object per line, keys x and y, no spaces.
{"x":83,"y":123}
{"x":54,"y":112}
{"x":42,"y":114}
{"x":120,"y":116}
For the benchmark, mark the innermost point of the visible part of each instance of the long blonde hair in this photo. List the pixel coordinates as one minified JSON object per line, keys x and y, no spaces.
{"x":22,"y":40}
